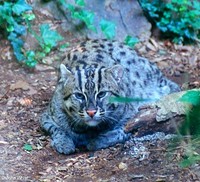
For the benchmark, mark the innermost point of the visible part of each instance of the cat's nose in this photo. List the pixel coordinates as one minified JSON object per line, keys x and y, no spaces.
{"x":91,"y":113}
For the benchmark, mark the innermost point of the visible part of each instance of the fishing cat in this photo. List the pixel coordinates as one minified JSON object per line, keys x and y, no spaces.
{"x":81,"y":111}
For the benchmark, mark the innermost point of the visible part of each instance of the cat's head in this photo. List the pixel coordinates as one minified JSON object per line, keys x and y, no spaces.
{"x":86,"y":93}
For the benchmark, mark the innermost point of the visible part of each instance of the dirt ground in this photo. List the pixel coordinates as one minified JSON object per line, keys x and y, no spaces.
{"x":25,"y":93}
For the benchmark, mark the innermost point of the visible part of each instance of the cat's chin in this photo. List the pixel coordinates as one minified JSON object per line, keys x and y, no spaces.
{"x":92,"y":122}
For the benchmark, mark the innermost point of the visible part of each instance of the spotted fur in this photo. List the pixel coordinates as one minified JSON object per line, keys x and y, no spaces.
{"x":80,"y":112}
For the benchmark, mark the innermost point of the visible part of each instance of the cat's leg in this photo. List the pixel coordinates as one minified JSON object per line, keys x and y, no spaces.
{"x":62,"y":143}
{"x":60,"y":140}
{"x":107,"y":139}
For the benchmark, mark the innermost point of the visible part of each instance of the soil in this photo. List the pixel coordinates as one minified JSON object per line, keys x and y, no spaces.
{"x":24,"y":95}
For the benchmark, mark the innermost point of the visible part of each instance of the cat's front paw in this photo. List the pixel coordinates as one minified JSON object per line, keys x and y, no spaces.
{"x":63,"y":145}
{"x":108,"y":139}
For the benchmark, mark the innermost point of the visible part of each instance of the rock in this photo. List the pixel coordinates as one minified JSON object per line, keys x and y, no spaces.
{"x":127,"y":16}
{"x":122,"y":166}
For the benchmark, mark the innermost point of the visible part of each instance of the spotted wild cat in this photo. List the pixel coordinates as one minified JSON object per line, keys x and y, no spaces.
{"x":80,"y":112}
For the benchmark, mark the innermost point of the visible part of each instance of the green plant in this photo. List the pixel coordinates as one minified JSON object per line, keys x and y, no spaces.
{"x":47,"y":40}
{"x":177,"y":19}
{"x":13,"y":14}
{"x":28,"y":147}
{"x":191,"y":128}
{"x":191,"y":125}
{"x":108,"y":28}
{"x":15,"y":17}
{"x":78,"y":12}
{"x":131,"y":41}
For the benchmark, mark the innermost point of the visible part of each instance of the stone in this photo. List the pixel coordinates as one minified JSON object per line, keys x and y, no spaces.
{"x":127,"y":16}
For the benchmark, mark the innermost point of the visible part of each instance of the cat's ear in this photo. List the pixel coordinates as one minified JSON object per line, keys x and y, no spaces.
{"x":116,"y":71}
{"x":65,"y":73}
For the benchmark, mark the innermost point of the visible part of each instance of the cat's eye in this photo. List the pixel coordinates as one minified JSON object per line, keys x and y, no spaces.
{"x":101,"y":94}
{"x":79,"y":96}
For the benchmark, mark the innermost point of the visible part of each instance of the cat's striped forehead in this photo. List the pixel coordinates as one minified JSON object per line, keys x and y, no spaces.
{"x":89,"y":78}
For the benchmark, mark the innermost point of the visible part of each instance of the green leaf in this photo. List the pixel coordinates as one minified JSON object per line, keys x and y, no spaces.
{"x":27,"y":147}
{"x":47,"y":48}
{"x":17,"y":45}
{"x":10,"y":28}
{"x":80,"y":2}
{"x":127,"y":99}
{"x":29,"y":16}
{"x":20,"y":7}
{"x":108,"y":28}
{"x":190,"y":161}
{"x":85,"y":16}
{"x":64,"y":46}
{"x":7,"y":18}
{"x":70,"y":7}
{"x":131,"y":41}
{"x":88,"y":18}
{"x":192,"y":97}
{"x":30,"y":59}
{"x":19,"y":29}
{"x":49,"y":37}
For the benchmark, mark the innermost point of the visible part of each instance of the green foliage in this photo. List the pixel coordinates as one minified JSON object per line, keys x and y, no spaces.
{"x":87,"y":17}
{"x":191,"y":126}
{"x":108,"y":29}
{"x":192,"y":122}
{"x":80,"y":13}
{"x":178,"y":19}
{"x":192,"y":97}
{"x":131,"y":41}
{"x":190,"y":160}
{"x":30,"y":59}
{"x":12,"y":17}
{"x":80,"y":2}
{"x":49,"y":38}
{"x":15,"y":17}
{"x":27,"y":147}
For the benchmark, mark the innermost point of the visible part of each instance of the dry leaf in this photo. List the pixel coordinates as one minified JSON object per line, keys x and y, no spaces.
{"x":151,"y":47}
{"x":25,"y":101}
{"x":123,"y":166}
{"x":154,"y":43}
{"x":20,"y":85}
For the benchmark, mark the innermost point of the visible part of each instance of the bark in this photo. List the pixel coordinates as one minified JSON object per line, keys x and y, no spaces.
{"x":166,"y":115}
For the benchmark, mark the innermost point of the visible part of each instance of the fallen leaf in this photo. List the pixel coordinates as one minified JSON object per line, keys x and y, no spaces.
{"x":123,"y":166}
{"x":25,"y":101}
{"x":31,"y":91}
{"x":20,"y":85}
{"x":10,"y":101}
{"x":27,"y":147}
{"x":3,"y":142}
{"x":2,"y":125}
{"x":154,"y":43}
{"x":151,"y":46}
